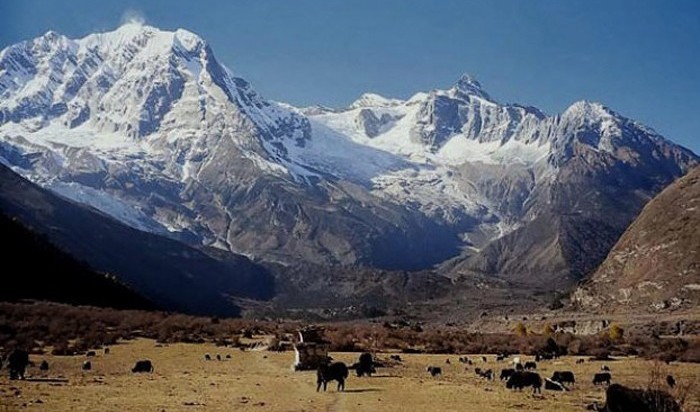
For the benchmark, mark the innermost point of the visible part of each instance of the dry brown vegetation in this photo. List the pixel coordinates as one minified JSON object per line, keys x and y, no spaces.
{"x":69,"y":329}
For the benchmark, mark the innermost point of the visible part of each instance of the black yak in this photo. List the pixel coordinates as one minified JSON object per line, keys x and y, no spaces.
{"x":621,"y":399}
{"x":17,"y":362}
{"x":434,"y":370}
{"x":507,"y":373}
{"x":564,"y":377}
{"x":602,"y":378}
{"x":337,"y":371}
{"x":365,"y":366}
{"x":520,"y":380}
{"x":142,"y":366}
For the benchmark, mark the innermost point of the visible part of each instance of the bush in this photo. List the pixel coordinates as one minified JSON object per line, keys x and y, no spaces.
{"x":45,"y":324}
{"x":616,"y":333}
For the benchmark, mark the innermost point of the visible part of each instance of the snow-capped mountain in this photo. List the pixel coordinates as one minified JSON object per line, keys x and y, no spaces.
{"x":147,"y":126}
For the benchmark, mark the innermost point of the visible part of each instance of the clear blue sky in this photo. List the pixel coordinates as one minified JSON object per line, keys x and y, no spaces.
{"x":639,"y":57}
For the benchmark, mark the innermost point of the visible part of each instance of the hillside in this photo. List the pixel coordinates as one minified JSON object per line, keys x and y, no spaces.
{"x":35,"y":269}
{"x":169,"y":273}
{"x":655,"y":265}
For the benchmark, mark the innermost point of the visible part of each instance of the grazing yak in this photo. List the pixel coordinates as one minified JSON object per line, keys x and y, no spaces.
{"x":396,"y":358}
{"x":670,"y":381}
{"x":87,"y":365}
{"x":548,"y":356}
{"x":90,"y":353}
{"x":580,"y":361}
{"x":447,"y":361}
{"x":106,"y":351}
{"x":552,"y":385}
{"x":337,"y":371}
{"x":434,"y":370}
{"x":218,"y":357}
{"x":483,"y":358}
{"x":44,"y":366}
{"x":365,"y":365}
{"x":564,"y":377}
{"x":228,"y":356}
{"x":602,"y":378}
{"x":207,"y":356}
{"x":520,"y":380}
{"x":530,"y":365}
{"x":507,"y":373}
{"x":17,"y":362}
{"x":142,"y":366}
{"x":487,"y":374}
{"x":519,"y":367}
{"x":605,"y":368}
{"x":622,"y":399}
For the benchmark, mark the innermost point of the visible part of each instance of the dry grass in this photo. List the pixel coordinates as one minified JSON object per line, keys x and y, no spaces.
{"x":264,"y":381}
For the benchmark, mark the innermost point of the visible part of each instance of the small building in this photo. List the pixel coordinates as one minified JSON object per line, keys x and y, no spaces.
{"x":310,"y":349}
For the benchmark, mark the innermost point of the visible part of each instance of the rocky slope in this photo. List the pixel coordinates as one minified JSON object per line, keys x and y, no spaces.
{"x":148,"y":127}
{"x":656,"y":263}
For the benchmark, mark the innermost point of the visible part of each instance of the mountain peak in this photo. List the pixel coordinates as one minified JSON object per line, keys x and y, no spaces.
{"x":147,"y":37}
{"x":466,"y":84}
{"x":374,"y":100}
{"x":51,"y":39}
{"x":586,"y":108}
{"x":188,"y":40}
{"x":51,"y":35}
{"x":136,"y":27}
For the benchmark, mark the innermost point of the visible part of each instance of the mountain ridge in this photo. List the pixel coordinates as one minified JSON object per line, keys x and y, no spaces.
{"x":157,"y":133}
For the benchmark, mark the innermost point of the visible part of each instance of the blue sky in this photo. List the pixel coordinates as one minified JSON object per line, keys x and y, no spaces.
{"x":639,"y":57}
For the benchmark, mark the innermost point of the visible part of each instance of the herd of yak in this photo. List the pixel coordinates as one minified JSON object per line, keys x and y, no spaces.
{"x":18,"y":361}
{"x":618,"y":398}
{"x":520,"y":376}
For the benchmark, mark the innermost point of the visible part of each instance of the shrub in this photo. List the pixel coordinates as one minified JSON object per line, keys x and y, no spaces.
{"x":616,"y":333}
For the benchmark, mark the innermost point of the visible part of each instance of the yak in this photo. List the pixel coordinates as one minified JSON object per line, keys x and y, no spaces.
{"x":507,"y":373}
{"x":519,"y":380}
{"x":434,"y":370}
{"x":564,"y":377}
{"x":337,"y":371}
{"x":365,"y":366}
{"x":619,"y":398}
{"x":530,"y":365}
{"x":552,"y":385}
{"x":142,"y":366}
{"x":17,"y":362}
